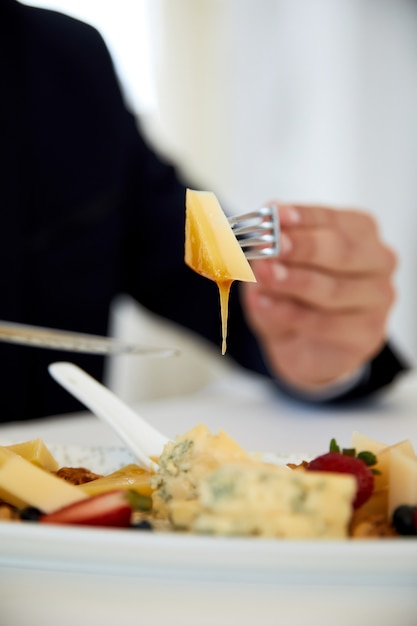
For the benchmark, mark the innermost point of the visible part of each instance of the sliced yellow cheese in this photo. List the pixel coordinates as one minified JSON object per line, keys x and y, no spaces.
{"x":24,"y":484}
{"x":35,"y":451}
{"x":6,"y":454}
{"x":402,"y":480}
{"x":128,"y":477}
{"x":383,"y":465}
{"x":211,"y":248}
{"x":363,"y":443}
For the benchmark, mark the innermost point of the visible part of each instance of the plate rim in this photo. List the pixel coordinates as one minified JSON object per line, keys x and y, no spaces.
{"x":159,"y":554}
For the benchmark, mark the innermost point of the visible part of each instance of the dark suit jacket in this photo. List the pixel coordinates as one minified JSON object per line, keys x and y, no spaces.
{"x":88,"y":212}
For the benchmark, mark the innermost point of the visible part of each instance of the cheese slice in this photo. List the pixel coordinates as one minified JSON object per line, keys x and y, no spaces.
{"x":362,"y":442}
{"x":383,"y":465}
{"x":24,"y":484}
{"x":37,"y":453}
{"x":129,"y":477}
{"x":211,"y":248}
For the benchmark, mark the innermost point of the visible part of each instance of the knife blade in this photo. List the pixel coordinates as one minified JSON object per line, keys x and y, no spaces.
{"x":40,"y":337}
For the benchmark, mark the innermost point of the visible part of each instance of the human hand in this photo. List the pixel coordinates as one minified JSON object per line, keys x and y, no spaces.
{"x":320,"y":309}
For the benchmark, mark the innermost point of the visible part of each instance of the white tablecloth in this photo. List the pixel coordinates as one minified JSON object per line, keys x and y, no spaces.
{"x":252,"y":411}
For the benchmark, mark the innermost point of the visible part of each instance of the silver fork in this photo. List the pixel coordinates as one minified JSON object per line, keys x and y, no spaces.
{"x":258,"y":232}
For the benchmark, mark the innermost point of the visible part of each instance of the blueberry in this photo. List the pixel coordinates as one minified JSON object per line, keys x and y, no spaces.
{"x":142,"y":525}
{"x":30,"y":514}
{"x":404,"y":519}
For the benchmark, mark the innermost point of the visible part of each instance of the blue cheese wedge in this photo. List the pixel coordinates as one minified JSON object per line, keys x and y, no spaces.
{"x":256,"y":499}
{"x":188,"y":459}
{"x":207,"y":483}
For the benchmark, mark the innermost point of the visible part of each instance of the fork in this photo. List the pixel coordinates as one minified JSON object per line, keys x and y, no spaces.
{"x":258,"y":232}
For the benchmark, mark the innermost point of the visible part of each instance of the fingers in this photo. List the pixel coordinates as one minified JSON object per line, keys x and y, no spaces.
{"x":325,"y":291}
{"x":316,"y":216}
{"x":307,"y":348}
{"x":343,"y":241}
{"x":320,"y":309}
{"x":295,"y":360}
{"x":335,"y":251}
{"x":279,"y":319}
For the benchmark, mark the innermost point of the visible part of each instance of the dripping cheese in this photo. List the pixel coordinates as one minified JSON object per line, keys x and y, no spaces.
{"x":212,"y":250}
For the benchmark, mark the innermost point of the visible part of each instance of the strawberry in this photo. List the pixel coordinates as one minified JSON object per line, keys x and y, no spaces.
{"x":106,"y":509}
{"x":346,"y":464}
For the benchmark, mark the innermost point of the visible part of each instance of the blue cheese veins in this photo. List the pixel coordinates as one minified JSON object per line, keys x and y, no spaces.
{"x":188,"y":459}
{"x":207,"y":483}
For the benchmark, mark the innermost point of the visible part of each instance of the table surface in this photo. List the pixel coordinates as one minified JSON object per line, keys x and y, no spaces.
{"x":259,"y":418}
{"x":252,"y":411}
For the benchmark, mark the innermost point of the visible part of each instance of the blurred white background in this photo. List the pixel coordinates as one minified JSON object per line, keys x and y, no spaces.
{"x":302,"y":100}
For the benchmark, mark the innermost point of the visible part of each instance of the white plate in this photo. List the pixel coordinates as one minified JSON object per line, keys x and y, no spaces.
{"x":162,"y":556}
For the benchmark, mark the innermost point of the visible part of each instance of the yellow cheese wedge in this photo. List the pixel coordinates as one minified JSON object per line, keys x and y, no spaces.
{"x":128,"y":477}
{"x":24,"y":484}
{"x":35,"y":451}
{"x":383,"y":465}
{"x":211,"y":248}
{"x":363,"y":443}
{"x":5,"y":454}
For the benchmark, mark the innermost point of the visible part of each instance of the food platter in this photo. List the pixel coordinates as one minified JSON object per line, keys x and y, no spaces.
{"x":162,"y":555}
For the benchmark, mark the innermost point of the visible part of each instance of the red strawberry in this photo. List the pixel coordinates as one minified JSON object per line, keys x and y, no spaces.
{"x":345,"y":464}
{"x":106,"y":509}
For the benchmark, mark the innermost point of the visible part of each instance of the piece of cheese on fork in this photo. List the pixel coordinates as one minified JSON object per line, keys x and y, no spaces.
{"x":211,"y":248}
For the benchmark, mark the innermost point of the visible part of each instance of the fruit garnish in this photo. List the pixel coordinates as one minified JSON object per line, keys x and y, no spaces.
{"x":368,"y":457}
{"x":107,"y":509}
{"x":404,"y":519}
{"x":339,"y":462}
{"x":138,"y":501}
{"x":30,"y":514}
{"x":142,"y":524}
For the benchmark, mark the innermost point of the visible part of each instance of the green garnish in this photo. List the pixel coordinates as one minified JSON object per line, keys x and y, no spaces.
{"x":138,"y":502}
{"x":369,"y":458}
{"x":333,"y":446}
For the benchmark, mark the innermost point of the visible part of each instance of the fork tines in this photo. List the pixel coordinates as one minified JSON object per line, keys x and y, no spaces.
{"x":257,"y":232}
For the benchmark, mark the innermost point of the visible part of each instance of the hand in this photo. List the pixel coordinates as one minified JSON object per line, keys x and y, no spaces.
{"x":320,"y":309}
